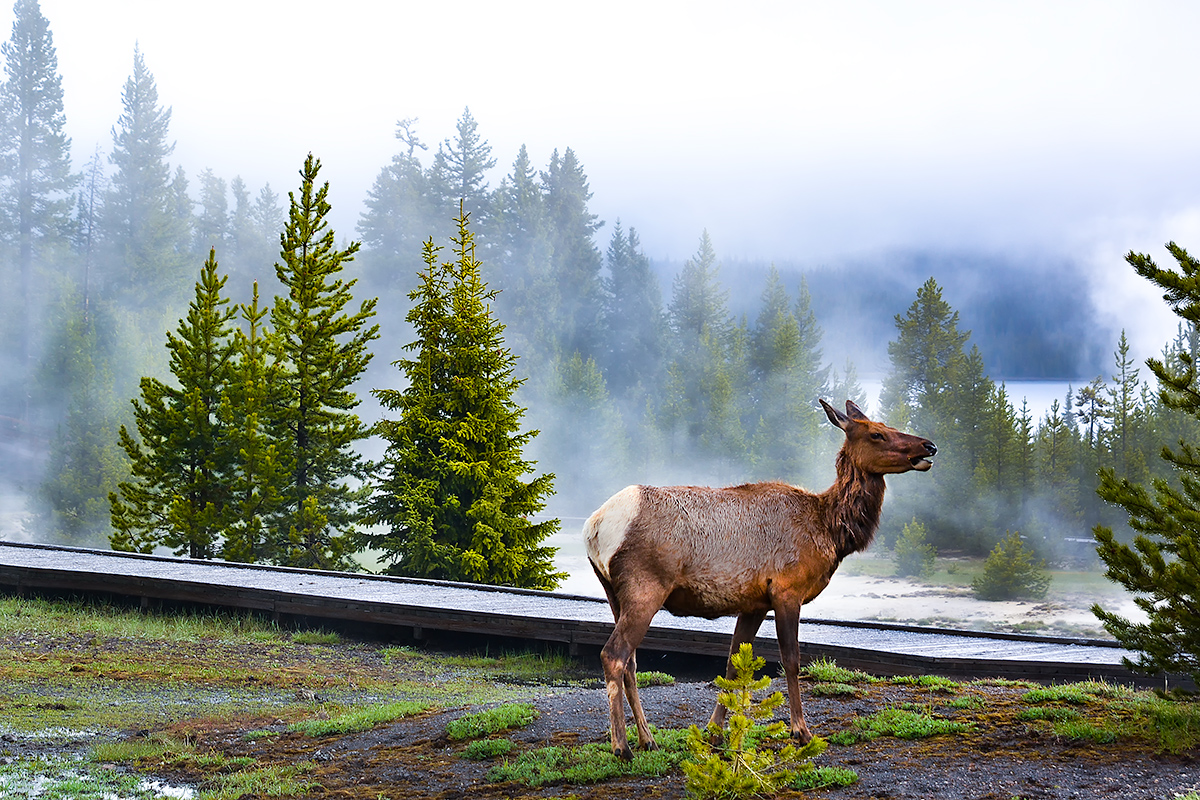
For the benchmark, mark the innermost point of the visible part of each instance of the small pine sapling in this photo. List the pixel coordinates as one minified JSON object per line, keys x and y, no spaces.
{"x":726,"y":762}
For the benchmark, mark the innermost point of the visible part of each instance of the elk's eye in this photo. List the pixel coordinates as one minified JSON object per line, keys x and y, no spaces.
{"x":878,"y":436}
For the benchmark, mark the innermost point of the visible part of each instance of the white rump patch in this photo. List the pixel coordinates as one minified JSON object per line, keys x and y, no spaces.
{"x":605,"y":529}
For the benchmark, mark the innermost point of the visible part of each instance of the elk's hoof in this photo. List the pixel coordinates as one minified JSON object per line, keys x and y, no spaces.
{"x":650,"y":745}
{"x":802,"y":736}
{"x":623,"y":753}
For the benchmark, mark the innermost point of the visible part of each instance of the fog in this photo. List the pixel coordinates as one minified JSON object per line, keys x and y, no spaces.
{"x":1015,"y":153}
{"x":790,"y":131}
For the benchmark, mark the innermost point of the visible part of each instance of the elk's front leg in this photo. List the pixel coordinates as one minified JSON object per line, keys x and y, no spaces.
{"x":744,"y":631}
{"x":787,"y":631}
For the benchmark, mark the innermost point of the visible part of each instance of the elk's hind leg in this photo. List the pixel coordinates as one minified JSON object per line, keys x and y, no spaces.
{"x":645,"y":738}
{"x":619,"y":659}
{"x":745,"y":630}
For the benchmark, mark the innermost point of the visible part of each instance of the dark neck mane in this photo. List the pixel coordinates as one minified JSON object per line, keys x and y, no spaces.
{"x":852,"y":507}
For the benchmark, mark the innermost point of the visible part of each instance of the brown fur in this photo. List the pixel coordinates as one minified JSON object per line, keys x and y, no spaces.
{"x":744,"y":550}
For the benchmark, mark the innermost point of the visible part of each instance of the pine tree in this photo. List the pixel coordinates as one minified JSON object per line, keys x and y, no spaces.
{"x":401,"y":209}
{"x":1162,"y":568}
{"x":785,"y":356}
{"x":180,"y":460}
{"x":528,"y":299}
{"x":35,"y":164}
{"x":633,"y":316}
{"x":924,"y":356}
{"x":321,"y":350}
{"x":452,"y":493}
{"x":84,"y":461}
{"x":212,"y":226}
{"x":257,"y":480}
{"x":575,"y":260}
{"x":459,"y":170}
{"x":143,"y":226}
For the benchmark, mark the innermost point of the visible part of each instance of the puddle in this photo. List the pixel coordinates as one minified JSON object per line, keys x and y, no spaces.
{"x":59,"y":777}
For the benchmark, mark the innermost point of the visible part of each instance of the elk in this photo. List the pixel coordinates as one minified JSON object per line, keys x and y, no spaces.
{"x":744,"y":550}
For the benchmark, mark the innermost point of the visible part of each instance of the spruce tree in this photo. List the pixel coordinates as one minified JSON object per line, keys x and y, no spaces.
{"x":1162,"y":567}
{"x":452,"y":494}
{"x":180,"y":467}
{"x":321,"y":348}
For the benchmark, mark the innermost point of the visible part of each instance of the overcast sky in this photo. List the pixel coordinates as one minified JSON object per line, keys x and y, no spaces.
{"x":789,"y":130}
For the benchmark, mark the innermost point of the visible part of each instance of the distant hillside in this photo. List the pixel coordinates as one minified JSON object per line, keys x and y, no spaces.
{"x":1030,"y":320}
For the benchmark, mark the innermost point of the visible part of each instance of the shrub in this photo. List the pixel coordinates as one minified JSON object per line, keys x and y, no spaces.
{"x":1011,"y":573}
{"x":914,"y":555}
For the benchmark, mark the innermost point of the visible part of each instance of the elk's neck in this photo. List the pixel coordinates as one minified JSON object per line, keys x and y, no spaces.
{"x":852,"y":506}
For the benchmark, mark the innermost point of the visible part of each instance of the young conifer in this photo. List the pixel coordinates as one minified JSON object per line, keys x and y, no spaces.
{"x":177,"y":495}
{"x":1162,"y":568}
{"x":453,"y":496}
{"x":321,"y":350}
{"x":256,"y":485}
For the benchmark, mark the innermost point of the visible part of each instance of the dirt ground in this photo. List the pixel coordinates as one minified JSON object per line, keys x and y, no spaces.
{"x":1001,"y":759}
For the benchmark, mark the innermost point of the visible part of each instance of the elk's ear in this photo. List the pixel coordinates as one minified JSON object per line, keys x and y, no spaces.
{"x":854,"y":412}
{"x":836,"y":417}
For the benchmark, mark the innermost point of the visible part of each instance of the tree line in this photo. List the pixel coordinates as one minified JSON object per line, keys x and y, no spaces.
{"x":616,"y":381}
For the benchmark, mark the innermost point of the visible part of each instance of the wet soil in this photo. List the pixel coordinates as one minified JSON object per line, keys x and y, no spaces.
{"x":1000,"y":759}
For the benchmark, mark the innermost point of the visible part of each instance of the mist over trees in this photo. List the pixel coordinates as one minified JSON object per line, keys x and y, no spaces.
{"x":626,"y":370}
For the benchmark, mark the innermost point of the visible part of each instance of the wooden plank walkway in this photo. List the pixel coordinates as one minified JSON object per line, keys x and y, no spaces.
{"x":422,"y":605}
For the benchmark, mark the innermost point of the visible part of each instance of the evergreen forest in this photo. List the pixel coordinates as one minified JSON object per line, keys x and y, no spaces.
{"x":204,"y":367}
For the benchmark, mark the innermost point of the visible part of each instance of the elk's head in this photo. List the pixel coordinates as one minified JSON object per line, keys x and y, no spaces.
{"x":877,"y":448}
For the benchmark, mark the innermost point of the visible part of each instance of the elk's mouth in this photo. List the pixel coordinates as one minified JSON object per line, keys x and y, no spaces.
{"x":920,"y":463}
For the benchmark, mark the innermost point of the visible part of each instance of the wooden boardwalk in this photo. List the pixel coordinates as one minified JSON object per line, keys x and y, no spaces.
{"x":421,"y":606}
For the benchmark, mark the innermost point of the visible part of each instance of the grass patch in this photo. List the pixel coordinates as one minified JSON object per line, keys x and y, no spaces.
{"x":592,"y":763}
{"x":277,"y":781}
{"x":553,"y":667}
{"x":652,"y":678}
{"x":900,"y":723}
{"x":137,"y":749}
{"x":106,"y":620}
{"x":827,"y":689}
{"x":362,"y":719}
{"x":827,"y":671}
{"x":1048,"y":713}
{"x":932,"y":682}
{"x":825,"y":778}
{"x":1065,"y":693}
{"x":58,"y":780}
{"x":966,"y":701}
{"x":483,"y":749}
{"x":1080,"y":730}
{"x":492,"y":720}
{"x":316,"y":637}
